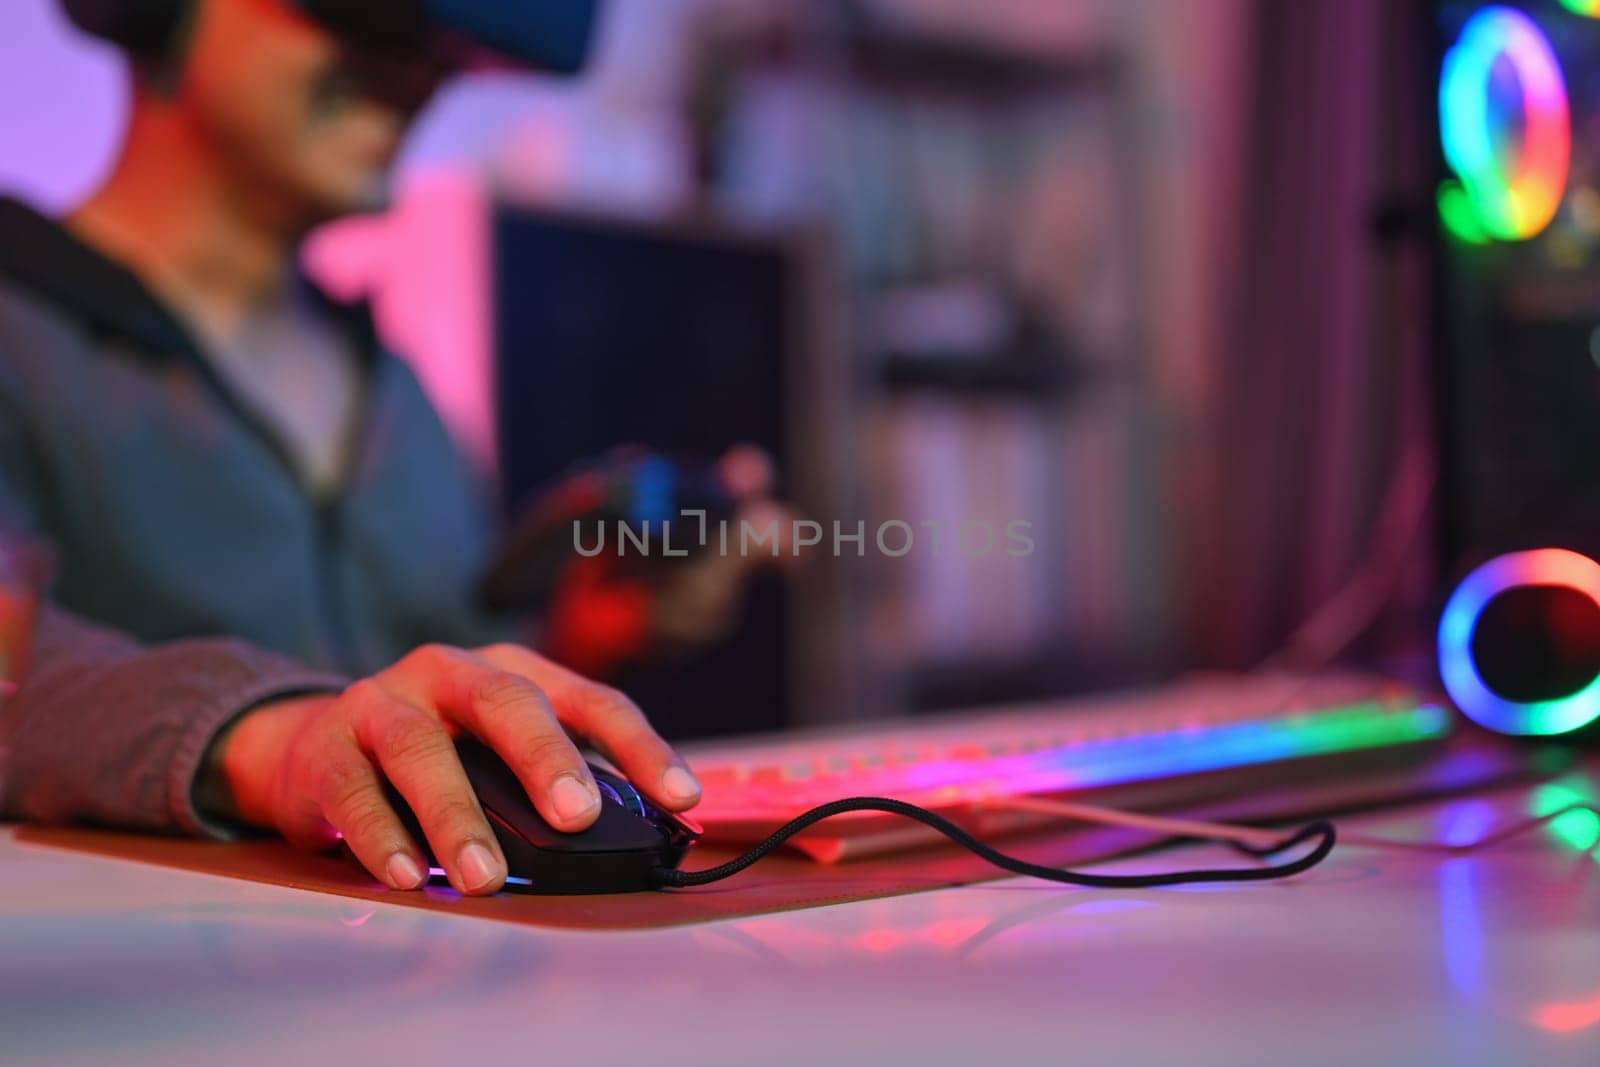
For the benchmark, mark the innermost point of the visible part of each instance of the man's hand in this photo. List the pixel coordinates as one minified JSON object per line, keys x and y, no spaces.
{"x":313,"y":768}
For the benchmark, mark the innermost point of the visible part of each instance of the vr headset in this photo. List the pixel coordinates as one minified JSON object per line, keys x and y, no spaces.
{"x":547,"y":35}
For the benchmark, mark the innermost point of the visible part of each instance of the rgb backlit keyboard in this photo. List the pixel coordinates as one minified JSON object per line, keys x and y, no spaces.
{"x":955,"y":761}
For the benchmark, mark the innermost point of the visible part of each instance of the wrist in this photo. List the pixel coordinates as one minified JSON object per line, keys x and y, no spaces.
{"x":237,"y":780}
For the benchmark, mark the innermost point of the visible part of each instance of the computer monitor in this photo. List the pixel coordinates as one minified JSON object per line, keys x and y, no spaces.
{"x":679,"y":338}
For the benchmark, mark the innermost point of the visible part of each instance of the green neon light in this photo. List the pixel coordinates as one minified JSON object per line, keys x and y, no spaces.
{"x":1578,"y":830}
{"x":1458,"y":216}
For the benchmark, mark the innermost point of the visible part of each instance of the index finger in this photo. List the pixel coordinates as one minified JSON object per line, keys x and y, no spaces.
{"x":509,"y":711}
{"x":611,"y":721}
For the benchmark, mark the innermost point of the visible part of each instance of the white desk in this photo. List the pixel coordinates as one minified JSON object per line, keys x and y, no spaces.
{"x":1374,"y":958}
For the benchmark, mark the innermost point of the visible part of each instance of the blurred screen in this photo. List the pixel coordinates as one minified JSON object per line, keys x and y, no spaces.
{"x":664,"y":337}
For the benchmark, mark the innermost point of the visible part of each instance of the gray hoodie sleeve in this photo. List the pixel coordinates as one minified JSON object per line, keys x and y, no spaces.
{"x":105,"y":730}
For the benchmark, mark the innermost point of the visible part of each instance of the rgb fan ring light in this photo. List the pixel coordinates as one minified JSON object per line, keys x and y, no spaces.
{"x":1546,"y":567}
{"x":1513,"y":199}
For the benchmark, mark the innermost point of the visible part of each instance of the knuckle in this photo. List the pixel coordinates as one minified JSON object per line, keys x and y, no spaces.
{"x":367,"y":823}
{"x":615,"y":702}
{"x":549,"y":750}
{"x":362,"y":693}
{"x":414,"y":739}
{"x":430,"y":655}
{"x":502,"y":692}
{"x":452,"y":816}
{"x":344,"y":788}
{"x":507,"y":650}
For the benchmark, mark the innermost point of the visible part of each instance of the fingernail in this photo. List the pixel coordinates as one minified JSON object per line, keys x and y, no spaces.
{"x":403,"y":871}
{"x":476,"y":867}
{"x":571,"y":799}
{"x":679,"y":783}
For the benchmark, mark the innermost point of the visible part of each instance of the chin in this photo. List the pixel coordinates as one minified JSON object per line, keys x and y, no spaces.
{"x":332,"y":199}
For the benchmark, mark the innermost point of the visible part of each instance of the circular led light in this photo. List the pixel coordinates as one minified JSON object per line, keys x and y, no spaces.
{"x":1545,"y":566}
{"x":1514,"y":199}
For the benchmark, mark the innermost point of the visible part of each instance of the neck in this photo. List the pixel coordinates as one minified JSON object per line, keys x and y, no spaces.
{"x":173,"y":213}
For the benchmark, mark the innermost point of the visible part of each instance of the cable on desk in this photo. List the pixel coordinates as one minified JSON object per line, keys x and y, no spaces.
{"x":1321,"y":832}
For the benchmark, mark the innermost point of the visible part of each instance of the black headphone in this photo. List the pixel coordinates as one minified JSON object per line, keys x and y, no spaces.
{"x":547,"y":35}
{"x":142,"y":27}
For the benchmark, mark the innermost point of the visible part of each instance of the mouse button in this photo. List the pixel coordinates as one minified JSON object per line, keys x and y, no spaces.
{"x":620,"y":789}
{"x":616,"y":830}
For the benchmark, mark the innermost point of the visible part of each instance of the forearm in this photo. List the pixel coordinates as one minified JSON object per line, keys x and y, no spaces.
{"x":108,"y":731}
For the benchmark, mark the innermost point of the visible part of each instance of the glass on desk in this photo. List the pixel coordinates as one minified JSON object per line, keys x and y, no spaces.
{"x":25,"y":567}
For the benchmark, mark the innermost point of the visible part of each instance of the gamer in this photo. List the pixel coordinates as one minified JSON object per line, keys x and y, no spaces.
{"x":255,"y":499}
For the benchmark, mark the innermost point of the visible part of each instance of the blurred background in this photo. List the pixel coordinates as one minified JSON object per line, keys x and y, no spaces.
{"x":1155,"y":276}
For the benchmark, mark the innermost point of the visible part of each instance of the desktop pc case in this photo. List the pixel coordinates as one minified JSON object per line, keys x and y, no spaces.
{"x":1519,"y":358}
{"x":1515,"y":92}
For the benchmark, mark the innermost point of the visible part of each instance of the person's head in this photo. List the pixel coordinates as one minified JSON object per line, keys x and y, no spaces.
{"x":297,"y":118}
{"x":301,"y":103}
{"x":302,"y":117}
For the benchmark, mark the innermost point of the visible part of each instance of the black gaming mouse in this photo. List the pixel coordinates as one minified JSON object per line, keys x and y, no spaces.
{"x":630,"y":839}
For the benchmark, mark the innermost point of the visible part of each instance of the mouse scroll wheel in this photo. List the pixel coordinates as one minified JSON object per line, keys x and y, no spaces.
{"x":620,"y":791}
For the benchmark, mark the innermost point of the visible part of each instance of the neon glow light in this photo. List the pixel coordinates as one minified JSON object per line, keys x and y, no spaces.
{"x":1161,"y":755}
{"x":1513,"y":199}
{"x":1464,"y":913}
{"x":1458,"y":215}
{"x":1578,"y":829}
{"x":1545,"y":566}
{"x":1589,"y":8}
